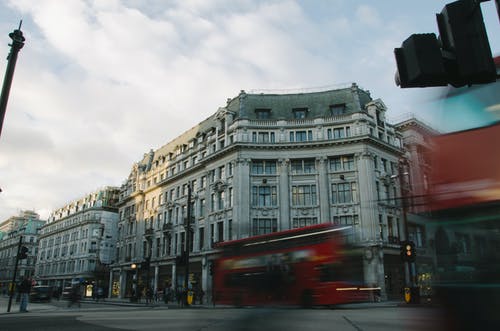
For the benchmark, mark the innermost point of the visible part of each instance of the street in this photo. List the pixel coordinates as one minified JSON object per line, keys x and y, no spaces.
{"x":104,"y":316}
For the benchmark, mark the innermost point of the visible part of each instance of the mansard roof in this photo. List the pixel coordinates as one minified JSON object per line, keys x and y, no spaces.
{"x":281,"y":107}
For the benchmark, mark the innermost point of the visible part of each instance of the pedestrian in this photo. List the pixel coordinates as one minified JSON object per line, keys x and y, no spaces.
{"x":149,"y":295}
{"x":74,"y":297}
{"x":24,"y":291}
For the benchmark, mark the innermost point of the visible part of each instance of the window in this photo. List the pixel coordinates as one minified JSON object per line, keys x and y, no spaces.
{"x":343,"y":193}
{"x":338,"y":109}
{"x":263,"y":196}
{"x":261,"y":167}
{"x":306,"y":166}
{"x":230,"y":197}
{"x":202,"y":207}
{"x":301,"y":136}
{"x":220,"y":200}
{"x":263,"y":137}
{"x":263,"y":114}
{"x":201,"y":238}
{"x":264,"y":225}
{"x":203,"y":181}
{"x":336,"y":133}
{"x":220,"y":231}
{"x":299,"y":113}
{"x":303,"y":221}
{"x":304,"y":195}
{"x":340,"y":163}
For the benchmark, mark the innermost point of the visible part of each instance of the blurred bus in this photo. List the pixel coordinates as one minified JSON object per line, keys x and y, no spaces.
{"x":307,"y":266}
{"x":463,"y":212}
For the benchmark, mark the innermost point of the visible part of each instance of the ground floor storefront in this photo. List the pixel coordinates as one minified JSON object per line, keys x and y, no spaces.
{"x":164,"y":278}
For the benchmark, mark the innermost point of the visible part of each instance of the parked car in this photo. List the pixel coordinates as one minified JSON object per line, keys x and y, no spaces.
{"x":41,"y":293}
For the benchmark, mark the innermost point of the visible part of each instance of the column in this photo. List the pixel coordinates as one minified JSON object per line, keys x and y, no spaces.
{"x":204,"y":278}
{"x":157,"y":274}
{"x":284,"y":195}
{"x":242,"y":197}
{"x":174,"y":277}
{"x":123,"y":283}
{"x":367,"y":196}
{"x":323,"y":187}
{"x":110,"y":283}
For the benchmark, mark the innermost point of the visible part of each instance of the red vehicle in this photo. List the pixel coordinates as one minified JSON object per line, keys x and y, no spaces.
{"x":307,"y":266}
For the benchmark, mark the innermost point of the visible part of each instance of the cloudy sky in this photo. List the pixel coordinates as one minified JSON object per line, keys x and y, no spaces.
{"x":99,"y":83}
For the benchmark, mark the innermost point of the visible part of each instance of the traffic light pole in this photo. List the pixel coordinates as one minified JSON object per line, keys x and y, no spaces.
{"x":11,"y":290}
{"x":188,"y":235}
{"x":17,"y":44}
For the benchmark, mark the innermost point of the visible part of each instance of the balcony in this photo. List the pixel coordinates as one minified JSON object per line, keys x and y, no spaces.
{"x":167,"y":227}
{"x":149,"y":232}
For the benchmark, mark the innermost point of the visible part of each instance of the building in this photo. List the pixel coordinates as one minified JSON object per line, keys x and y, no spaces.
{"x":77,"y":244}
{"x":25,"y":229}
{"x":264,"y":163}
{"x":415,"y":169}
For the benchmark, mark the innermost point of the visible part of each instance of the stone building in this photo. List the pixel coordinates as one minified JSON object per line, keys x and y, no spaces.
{"x":24,"y":227}
{"x":77,"y":244}
{"x":264,"y":163}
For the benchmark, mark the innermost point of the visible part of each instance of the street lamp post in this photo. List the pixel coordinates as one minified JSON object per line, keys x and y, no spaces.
{"x":15,"y":47}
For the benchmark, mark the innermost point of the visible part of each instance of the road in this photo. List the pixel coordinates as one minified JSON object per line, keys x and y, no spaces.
{"x":56,"y":316}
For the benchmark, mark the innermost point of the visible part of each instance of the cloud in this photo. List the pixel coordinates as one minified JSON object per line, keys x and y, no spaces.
{"x":99,"y":83}
{"x":368,"y":15}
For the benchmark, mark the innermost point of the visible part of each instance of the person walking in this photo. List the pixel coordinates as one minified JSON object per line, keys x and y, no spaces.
{"x":24,"y":291}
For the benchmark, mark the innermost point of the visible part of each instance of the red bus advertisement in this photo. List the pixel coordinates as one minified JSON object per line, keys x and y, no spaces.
{"x":307,"y":266}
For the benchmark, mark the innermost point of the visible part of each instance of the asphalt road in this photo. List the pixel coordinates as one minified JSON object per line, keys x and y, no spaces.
{"x":56,"y":316}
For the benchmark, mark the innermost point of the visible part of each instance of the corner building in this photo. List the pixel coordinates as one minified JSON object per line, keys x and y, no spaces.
{"x":77,"y":244}
{"x":264,"y":163}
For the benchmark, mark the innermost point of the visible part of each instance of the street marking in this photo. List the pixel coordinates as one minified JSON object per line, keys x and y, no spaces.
{"x":352,"y":323}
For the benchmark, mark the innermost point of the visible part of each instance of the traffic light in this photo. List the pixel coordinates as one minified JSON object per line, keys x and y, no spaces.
{"x":460,"y":56}
{"x":211,"y":268}
{"x":419,"y":62}
{"x":408,"y":253}
{"x":23,"y":253}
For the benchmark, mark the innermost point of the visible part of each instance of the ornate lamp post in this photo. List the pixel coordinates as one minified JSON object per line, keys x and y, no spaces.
{"x":15,"y":47}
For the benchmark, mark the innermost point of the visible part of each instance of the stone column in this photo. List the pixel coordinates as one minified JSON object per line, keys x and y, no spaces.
{"x":174,"y":276}
{"x":367,"y":197}
{"x":242,"y":194}
{"x":110,"y":283}
{"x":157,"y":273}
{"x":323,"y":190}
{"x":204,"y":278}
{"x":123,"y":283}
{"x":284,"y":195}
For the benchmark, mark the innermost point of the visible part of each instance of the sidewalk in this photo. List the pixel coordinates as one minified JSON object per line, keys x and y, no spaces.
{"x":14,"y":308}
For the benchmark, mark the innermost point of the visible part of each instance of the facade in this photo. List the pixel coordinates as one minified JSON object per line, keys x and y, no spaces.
{"x":264,"y":163}
{"x":77,"y":244}
{"x":415,"y":168}
{"x":24,"y":227}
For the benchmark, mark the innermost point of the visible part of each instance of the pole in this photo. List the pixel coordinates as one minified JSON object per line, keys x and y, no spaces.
{"x":188,"y":234}
{"x":11,"y":290}
{"x":17,"y":44}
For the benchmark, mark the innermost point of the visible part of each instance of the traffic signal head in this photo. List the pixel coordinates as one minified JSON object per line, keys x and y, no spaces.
{"x":23,"y":253}
{"x":408,"y":251}
{"x":419,"y":62}
{"x":461,"y":56}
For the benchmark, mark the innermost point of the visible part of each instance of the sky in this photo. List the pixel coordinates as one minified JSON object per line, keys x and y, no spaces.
{"x":101,"y":82}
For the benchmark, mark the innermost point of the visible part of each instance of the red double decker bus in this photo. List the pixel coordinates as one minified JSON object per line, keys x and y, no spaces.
{"x":307,"y":266}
